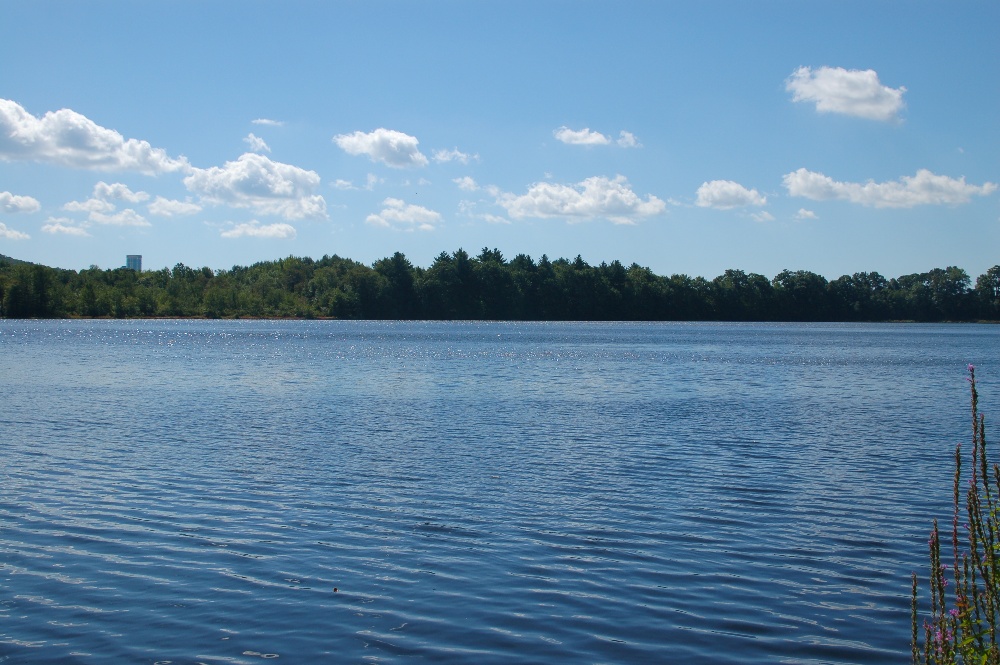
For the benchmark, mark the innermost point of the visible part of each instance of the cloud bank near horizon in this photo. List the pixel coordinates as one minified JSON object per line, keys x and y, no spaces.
{"x":924,"y":188}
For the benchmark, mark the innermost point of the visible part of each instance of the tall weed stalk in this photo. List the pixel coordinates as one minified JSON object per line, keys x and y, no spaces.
{"x":965,"y":595}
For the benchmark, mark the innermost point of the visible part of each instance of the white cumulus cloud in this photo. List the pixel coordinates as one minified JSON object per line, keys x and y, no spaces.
{"x":90,"y":206}
{"x":103,"y":190}
{"x":397,"y":213}
{"x":762,"y":216}
{"x":163,"y":207}
{"x":100,"y":203}
{"x":387,"y":146}
{"x":580,"y":136}
{"x":67,"y":138}
{"x":14,"y":203}
{"x":11,"y":234}
{"x":255,"y":229}
{"x":805,"y":214}
{"x":64,"y":226}
{"x":268,"y":122}
{"x":726,"y":194}
{"x":254,"y":181}
{"x":924,"y":188}
{"x":594,"y":198}
{"x":256,"y":143}
{"x":850,"y":92}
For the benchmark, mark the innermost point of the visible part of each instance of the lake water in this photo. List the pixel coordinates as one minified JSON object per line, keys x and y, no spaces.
{"x":239,"y":491}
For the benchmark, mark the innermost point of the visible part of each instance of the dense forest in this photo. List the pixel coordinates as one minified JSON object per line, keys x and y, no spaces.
{"x":488,"y":286}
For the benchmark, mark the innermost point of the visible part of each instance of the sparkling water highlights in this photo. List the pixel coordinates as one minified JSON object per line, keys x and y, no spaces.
{"x":239,"y":491}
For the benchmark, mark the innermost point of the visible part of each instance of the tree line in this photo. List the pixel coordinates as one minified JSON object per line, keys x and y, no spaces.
{"x":459,"y":286}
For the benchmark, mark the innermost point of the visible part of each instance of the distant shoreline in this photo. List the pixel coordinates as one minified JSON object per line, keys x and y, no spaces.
{"x":489,"y":287}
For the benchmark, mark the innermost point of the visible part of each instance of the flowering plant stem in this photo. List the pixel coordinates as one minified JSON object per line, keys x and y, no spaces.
{"x":965,"y":601}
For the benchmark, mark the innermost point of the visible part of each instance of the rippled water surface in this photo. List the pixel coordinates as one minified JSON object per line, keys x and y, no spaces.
{"x":238,"y":491}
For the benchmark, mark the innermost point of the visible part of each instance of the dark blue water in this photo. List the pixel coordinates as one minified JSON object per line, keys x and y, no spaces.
{"x":177,"y":491}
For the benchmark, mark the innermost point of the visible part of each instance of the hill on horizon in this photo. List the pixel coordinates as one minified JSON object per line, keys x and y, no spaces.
{"x":10,"y":259}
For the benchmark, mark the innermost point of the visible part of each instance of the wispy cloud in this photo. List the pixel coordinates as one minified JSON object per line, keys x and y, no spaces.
{"x":90,"y":205}
{"x":64,"y":226}
{"x":256,"y":143}
{"x":127,"y":217}
{"x":254,"y":229}
{"x":466,"y":184}
{"x":163,"y":207}
{"x":586,"y":136}
{"x":454,"y":155}
{"x":628,"y":140}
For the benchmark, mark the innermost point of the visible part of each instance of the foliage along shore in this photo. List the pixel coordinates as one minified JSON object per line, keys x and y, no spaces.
{"x":489,"y":287}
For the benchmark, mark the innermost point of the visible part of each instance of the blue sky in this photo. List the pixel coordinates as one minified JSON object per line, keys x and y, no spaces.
{"x":689,"y":137}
